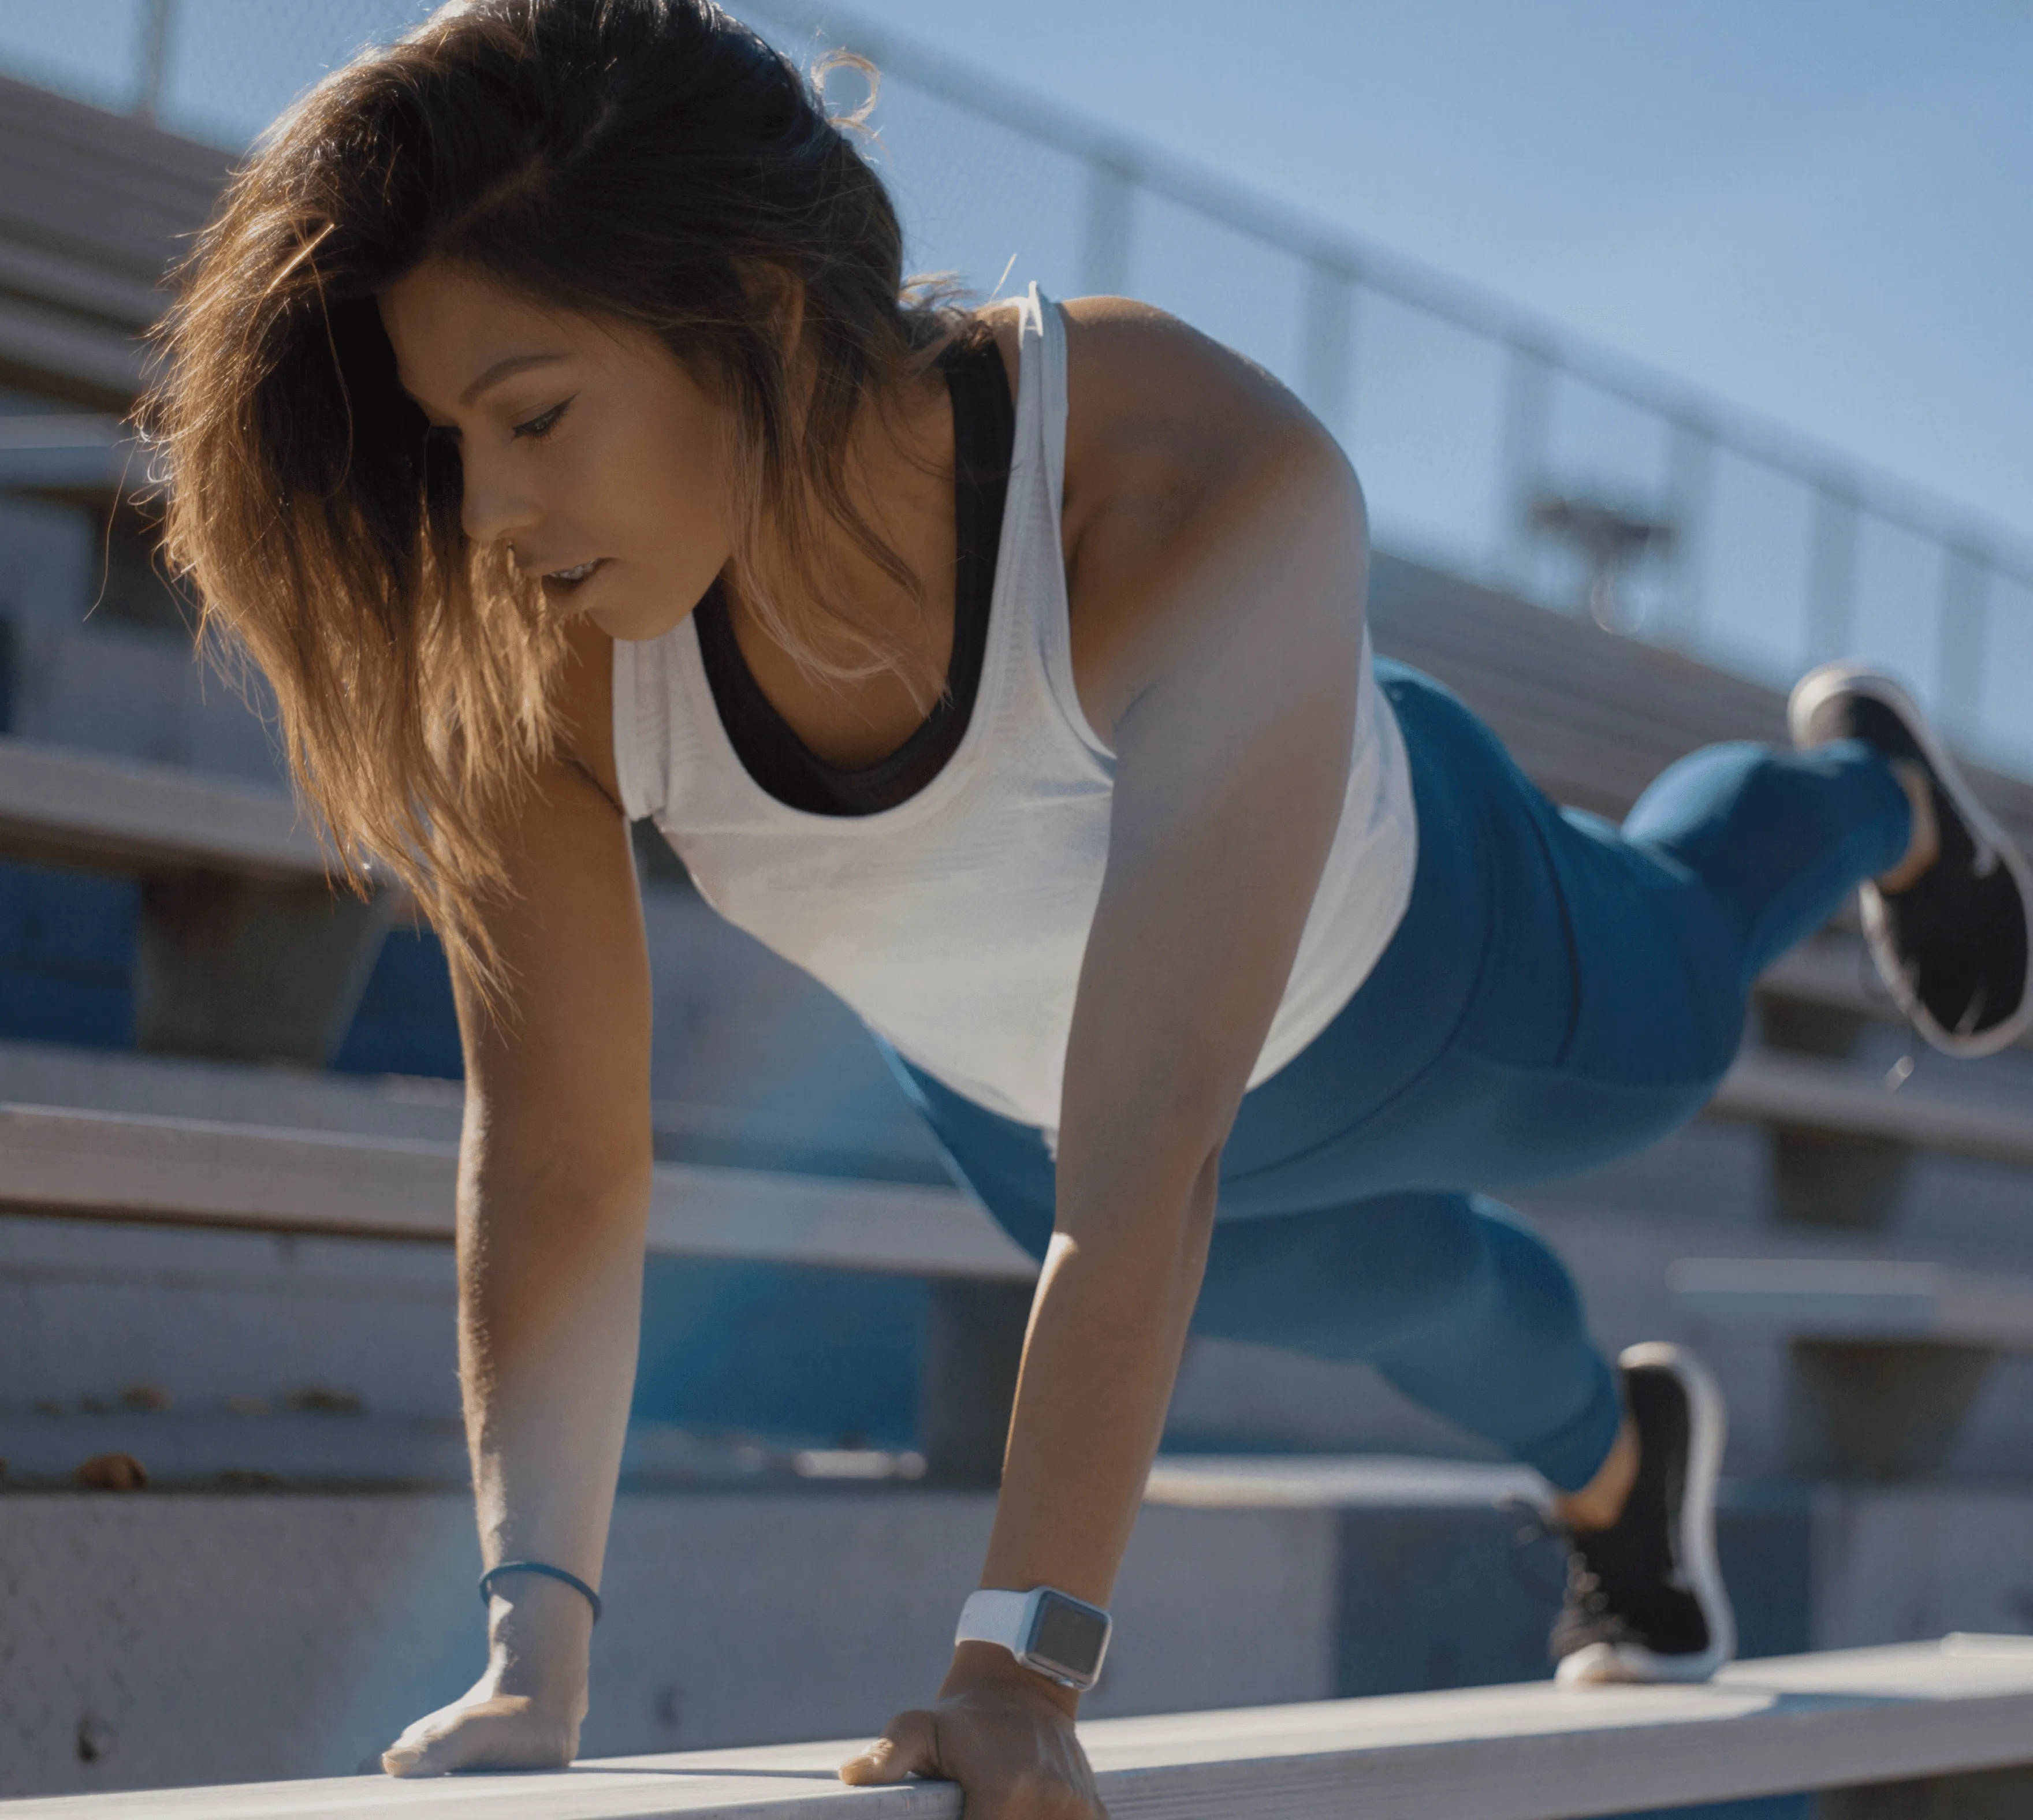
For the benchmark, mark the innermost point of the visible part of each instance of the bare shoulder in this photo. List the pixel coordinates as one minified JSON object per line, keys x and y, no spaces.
{"x":1181,"y":455}
{"x":1143,"y":386}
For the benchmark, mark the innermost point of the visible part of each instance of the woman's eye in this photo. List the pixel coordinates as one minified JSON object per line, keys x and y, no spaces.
{"x":538,"y":427}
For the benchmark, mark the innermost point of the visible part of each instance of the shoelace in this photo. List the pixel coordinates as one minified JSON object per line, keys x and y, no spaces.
{"x":1537,"y":1527}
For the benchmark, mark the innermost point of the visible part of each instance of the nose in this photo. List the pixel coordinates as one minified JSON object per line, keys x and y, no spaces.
{"x":496,"y":504}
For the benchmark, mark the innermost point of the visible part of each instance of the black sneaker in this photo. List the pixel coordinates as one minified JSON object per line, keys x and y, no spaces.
{"x":1645,"y":1599}
{"x":1952,"y":947}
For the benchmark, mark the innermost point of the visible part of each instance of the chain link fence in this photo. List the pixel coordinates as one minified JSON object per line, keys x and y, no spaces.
{"x":1489,"y":443}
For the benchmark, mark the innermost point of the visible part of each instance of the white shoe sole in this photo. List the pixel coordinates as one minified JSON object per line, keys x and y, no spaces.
{"x":1851,"y":679}
{"x":1618,"y":1665}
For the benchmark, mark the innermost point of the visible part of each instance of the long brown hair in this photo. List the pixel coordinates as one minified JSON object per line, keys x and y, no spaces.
{"x":650,"y":162}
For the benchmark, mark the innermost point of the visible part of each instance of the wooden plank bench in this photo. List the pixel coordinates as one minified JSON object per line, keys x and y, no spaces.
{"x":244,"y":947}
{"x":1884,"y":1360}
{"x":1889,"y":1730}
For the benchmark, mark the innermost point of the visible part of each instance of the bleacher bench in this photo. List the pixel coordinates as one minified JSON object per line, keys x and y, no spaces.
{"x":116,"y":1165}
{"x":1904,"y":1733}
{"x":1884,"y":1360}
{"x":96,"y":205}
{"x":122,"y":1166}
{"x":245,"y":947}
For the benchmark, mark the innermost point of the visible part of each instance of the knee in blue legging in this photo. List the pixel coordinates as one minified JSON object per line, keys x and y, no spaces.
{"x":1347,"y":1282}
{"x":1777,"y":839}
{"x":1451,"y":1297}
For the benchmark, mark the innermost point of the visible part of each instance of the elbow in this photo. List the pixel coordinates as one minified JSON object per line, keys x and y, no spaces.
{"x":1146,"y":1209}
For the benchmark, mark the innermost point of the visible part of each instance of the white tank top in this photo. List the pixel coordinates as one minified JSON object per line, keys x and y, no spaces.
{"x":954,"y":922}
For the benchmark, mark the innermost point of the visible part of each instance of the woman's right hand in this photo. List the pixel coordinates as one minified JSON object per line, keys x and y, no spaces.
{"x":524,"y":1713}
{"x":555,"y":1170}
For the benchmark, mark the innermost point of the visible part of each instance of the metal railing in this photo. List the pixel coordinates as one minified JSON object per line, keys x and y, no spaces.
{"x":1465,"y":415}
{"x":1488,"y":441}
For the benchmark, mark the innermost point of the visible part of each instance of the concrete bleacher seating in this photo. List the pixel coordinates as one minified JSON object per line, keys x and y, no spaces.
{"x":1891,"y":1731}
{"x":244,"y":946}
{"x":1592,"y":715}
{"x":1884,"y":1359}
{"x":93,"y":209}
{"x":101,"y":203}
{"x":1777,"y":1087}
{"x":363,"y":1166}
{"x":204,"y":1173}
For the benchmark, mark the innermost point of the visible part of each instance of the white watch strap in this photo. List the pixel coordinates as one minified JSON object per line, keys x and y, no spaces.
{"x":1003,"y":1618}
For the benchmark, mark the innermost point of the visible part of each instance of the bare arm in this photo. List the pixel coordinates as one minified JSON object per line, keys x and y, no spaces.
{"x":1232,"y":767}
{"x":1233,"y":725}
{"x":553,"y":1197}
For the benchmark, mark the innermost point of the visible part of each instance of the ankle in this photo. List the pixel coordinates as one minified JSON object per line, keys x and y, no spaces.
{"x":1924,"y":845}
{"x":1600,"y":1502}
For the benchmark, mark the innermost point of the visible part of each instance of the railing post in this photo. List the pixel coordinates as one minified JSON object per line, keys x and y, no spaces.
{"x":1690,"y":493}
{"x":1526,"y":431}
{"x":1105,"y":231}
{"x":154,"y":58}
{"x":1326,"y":351}
{"x":1961,"y":630}
{"x":1832,"y":577}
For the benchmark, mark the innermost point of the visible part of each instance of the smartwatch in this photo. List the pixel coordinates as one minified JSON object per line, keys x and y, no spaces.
{"x":1051,"y":1633}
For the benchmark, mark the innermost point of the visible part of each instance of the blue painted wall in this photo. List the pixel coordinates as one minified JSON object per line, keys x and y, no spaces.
{"x":816,"y":1356}
{"x":406,"y":1023}
{"x":67,"y":957}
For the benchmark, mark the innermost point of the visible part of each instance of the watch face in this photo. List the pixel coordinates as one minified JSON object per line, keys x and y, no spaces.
{"x":1069,"y":1636}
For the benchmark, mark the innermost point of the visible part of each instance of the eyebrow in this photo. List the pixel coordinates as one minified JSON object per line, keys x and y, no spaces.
{"x":504,"y":369}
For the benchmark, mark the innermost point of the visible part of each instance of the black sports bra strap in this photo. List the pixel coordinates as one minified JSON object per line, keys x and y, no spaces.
{"x":770,"y":752}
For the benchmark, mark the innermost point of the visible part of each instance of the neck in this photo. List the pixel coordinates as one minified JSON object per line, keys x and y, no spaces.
{"x":899,"y":475}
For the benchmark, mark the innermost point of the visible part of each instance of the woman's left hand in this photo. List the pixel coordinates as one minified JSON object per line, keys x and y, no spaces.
{"x":1003,"y":1733}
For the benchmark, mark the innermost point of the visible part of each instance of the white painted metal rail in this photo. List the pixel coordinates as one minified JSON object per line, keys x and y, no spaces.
{"x":1528,"y":1752}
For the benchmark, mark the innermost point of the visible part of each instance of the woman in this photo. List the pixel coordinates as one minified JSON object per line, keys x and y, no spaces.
{"x":550,"y":422}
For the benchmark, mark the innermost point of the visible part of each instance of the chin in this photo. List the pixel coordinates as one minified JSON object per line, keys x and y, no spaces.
{"x":634,"y":621}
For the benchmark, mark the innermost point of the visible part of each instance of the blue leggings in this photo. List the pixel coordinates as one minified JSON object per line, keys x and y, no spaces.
{"x":1560,"y":993}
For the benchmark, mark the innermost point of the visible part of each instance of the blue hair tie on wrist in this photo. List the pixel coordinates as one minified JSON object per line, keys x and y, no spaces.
{"x":487,"y":1581}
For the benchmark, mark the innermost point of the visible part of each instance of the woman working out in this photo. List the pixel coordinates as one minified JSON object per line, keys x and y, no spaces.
{"x":550,"y":421}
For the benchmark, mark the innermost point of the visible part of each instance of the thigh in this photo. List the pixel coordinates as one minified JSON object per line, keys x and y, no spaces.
{"x":1557,"y":996}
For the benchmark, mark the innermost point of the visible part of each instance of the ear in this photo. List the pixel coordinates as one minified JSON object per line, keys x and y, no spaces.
{"x":782,"y":294}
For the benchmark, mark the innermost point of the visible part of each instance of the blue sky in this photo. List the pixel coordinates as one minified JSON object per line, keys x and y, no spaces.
{"x":1816,"y":208}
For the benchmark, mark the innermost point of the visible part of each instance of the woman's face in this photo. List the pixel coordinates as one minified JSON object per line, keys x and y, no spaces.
{"x":586,"y":448}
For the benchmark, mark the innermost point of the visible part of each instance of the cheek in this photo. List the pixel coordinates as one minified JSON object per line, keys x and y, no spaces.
{"x":672,"y":489}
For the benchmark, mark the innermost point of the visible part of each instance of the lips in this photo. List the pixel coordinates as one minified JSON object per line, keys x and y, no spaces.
{"x":566,"y":580}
